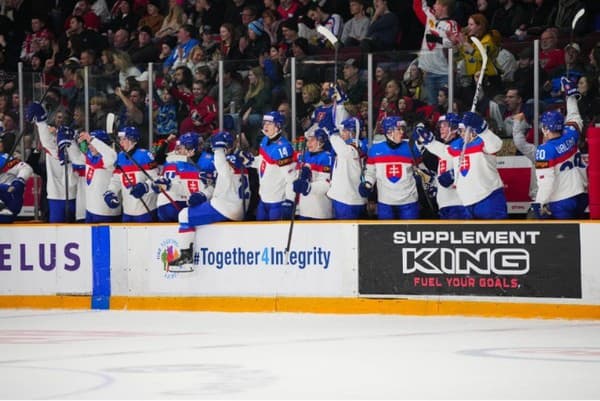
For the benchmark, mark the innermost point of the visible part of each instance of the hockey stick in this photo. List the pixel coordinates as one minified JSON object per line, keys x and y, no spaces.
{"x":244,"y":178}
{"x":358,"y":150}
{"x":411,"y":145}
{"x":50,"y":86}
{"x":22,"y":133}
{"x":139,"y":166}
{"x":293,"y":216}
{"x":576,"y":19}
{"x":468,"y":134}
{"x":66,"y":162}
{"x":484,"y":61}
{"x":333,"y":40}
{"x":110,"y":124}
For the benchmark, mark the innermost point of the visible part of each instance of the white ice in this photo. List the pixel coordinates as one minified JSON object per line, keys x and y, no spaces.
{"x":185,"y":355}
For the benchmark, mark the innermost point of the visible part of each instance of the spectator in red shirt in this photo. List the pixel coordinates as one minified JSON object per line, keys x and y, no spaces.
{"x":90,"y":19}
{"x":203,"y":109}
{"x":31,"y":44}
{"x":287,"y":9}
{"x":550,"y":55}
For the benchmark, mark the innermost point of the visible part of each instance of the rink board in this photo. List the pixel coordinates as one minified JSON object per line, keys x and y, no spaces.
{"x":535,"y":269}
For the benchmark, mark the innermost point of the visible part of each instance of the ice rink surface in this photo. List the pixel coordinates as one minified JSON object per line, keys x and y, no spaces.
{"x":186,"y":355}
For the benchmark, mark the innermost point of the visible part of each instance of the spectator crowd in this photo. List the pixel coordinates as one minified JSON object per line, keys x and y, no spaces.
{"x":415,"y":127}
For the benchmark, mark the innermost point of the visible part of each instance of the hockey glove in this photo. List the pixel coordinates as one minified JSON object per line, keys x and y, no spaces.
{"x":160,"y":184}
{"x":219,"y":141}
{"x":35,"y":113}
{"x":111,"y":199}
{"x":365,"y":189}
{"x":235,"y":160}
{"x":570,"y":88}
{"x":17,"y":187}
{"x":139,"y":190}
{"x":247,"y":158}
{"x":446,"y":179}
{"x":301,"y":186}
{"x":422,"y":135}
{"x":197,"y":198}
{"x":537,"y":211}
{"x":305,"y":173}
{"x":475,"y":121}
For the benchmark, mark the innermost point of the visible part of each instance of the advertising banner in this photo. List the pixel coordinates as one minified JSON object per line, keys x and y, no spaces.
{"x":245,"y":260}
{"x":521,"y":260}
{"x":45,"y":260}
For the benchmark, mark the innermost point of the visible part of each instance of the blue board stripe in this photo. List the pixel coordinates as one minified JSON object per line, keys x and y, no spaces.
{"x":101,"y":267}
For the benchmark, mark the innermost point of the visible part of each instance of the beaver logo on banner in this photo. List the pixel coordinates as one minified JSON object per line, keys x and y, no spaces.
{"x":523,"y":260}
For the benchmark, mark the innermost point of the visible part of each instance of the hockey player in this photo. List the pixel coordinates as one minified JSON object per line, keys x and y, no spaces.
{"x":275,"y":165}
{"x":227,"y":202}
{"x":14,"y":173}
{"x":347,"y":172}
{"x":561,"y":178}
{"x":314,"y":178}
{"x":129,"y":180}
{"x":391,"y":165}
{"x":332,"y":112}
{"x":98,"y":159}
{"x":61,"y":203}
{"x":181,"y":179}
{"x":476,"y":177}
{"x":449,"y":203}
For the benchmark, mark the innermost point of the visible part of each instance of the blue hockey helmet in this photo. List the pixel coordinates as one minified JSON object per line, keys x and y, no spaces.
{"x":321,"y":135}
{"x":189,"y":140}
{"x":351,"y":124}
{"x":453,"y":120}
{"x":101,"y":135}
{"x":275,"y":117}
{"x":392,"y":122}
{"x":131,"y":133}
{"x":553,"y":121}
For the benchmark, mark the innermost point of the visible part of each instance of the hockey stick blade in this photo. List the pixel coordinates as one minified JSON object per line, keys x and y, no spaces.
{"x":576,"y":18}
{"x":110,"y":123}
{"x":484,"y":60}
{"x":328,"y":35}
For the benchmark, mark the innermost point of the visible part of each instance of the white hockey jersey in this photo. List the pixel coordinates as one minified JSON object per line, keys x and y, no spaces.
{"x":347,"y":172}
{"x":231,"y":186}
{"x":185,"y":180}
{"x":477,"y":177}
{"x":55,"y":169}
{"x":99,"y":170}
{"x":434,"y":48}
{"x":316,"y":205}
{"x":275,"y":165}
{"x":126,"y":174}
{"x":559,"y":166}
{"x":393,"y":171}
